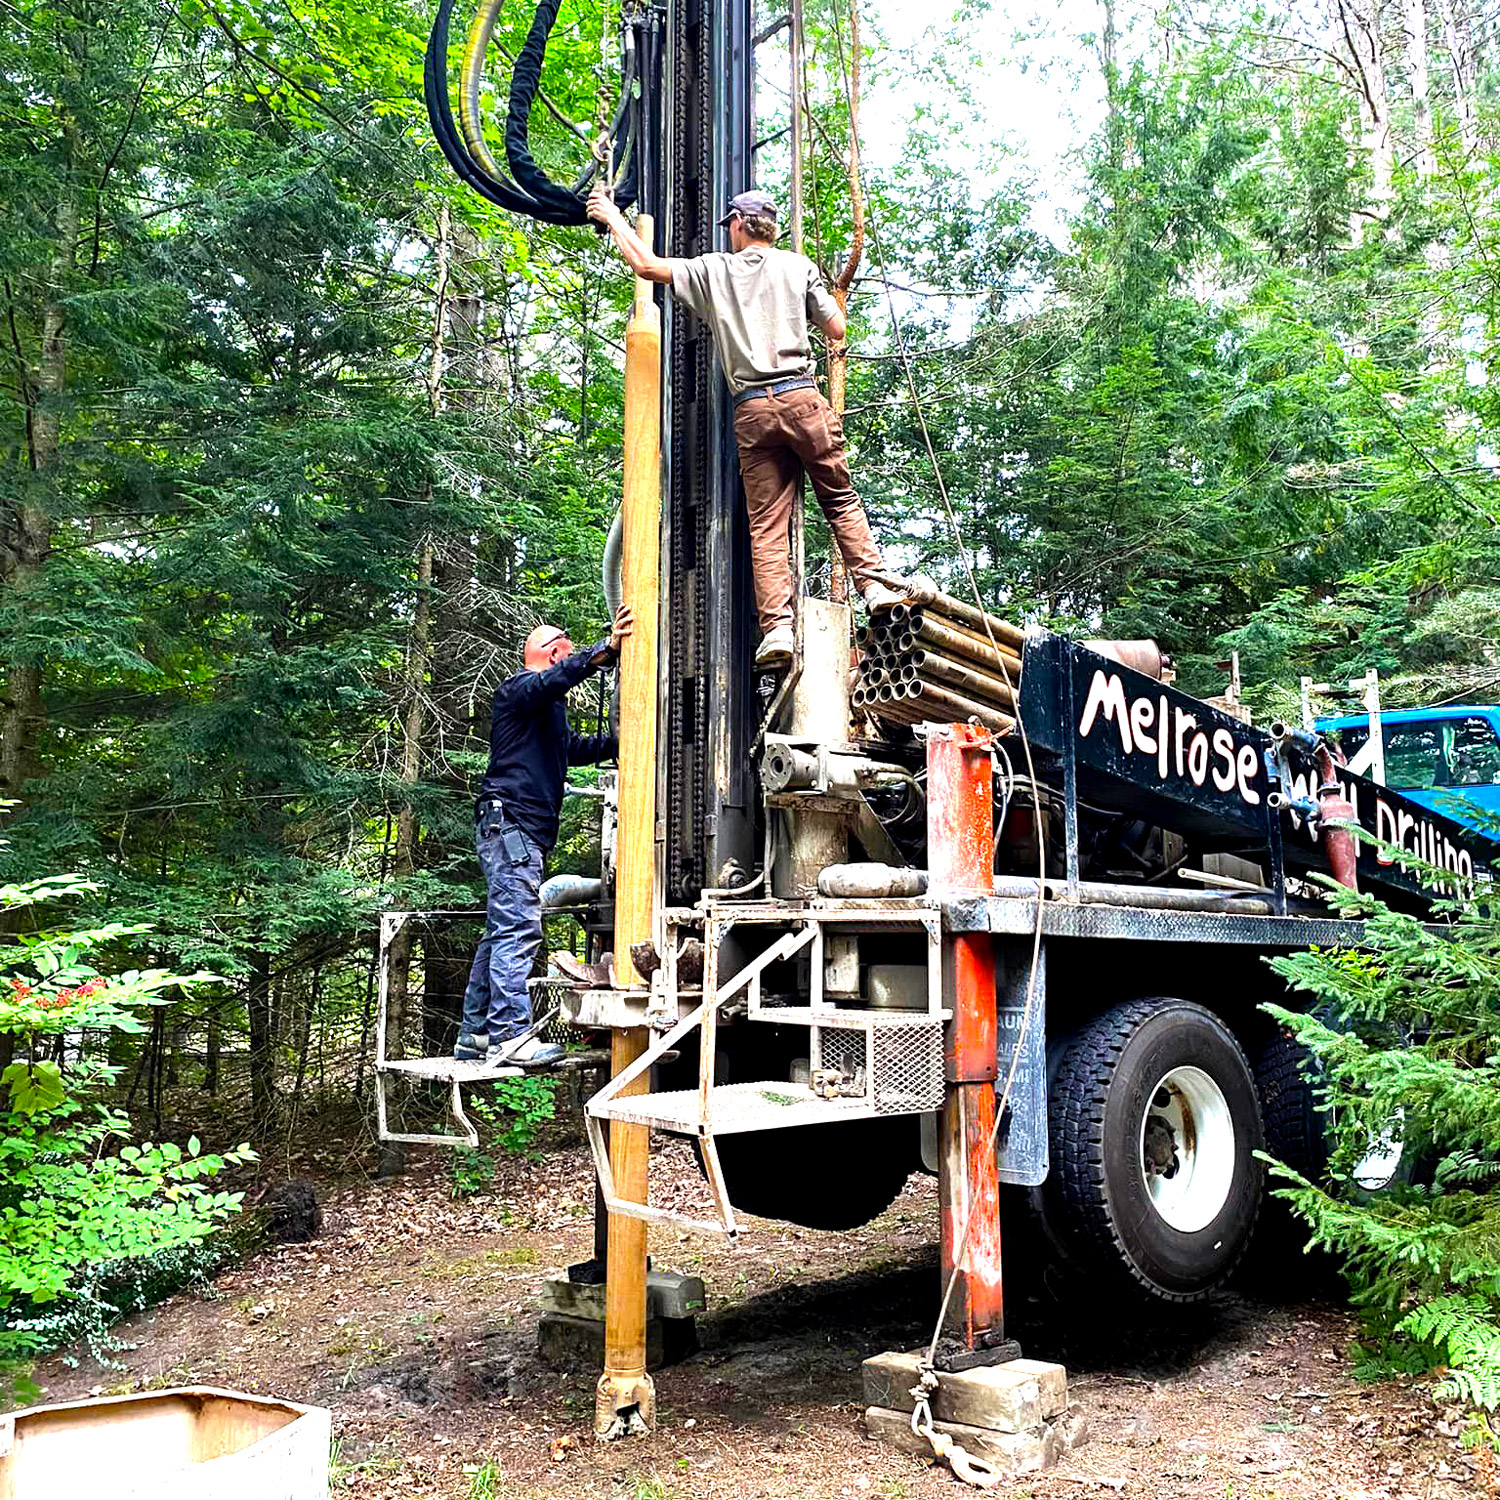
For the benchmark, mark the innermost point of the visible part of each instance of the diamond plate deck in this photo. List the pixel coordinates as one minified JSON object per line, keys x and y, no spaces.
{"x":804,"y":1015}
{"x":1060,"y":918}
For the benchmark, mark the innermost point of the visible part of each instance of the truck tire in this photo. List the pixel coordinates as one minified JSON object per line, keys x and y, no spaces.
{"x":1298,"y":1128}
{"x":1294,"y":1125}
{"x":1154,"y":1125}
{"x":834,"y":1176}
{"x":1279,"y":1264}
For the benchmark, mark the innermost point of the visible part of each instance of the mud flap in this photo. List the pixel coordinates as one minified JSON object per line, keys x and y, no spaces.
{"x":1021,"y":1147}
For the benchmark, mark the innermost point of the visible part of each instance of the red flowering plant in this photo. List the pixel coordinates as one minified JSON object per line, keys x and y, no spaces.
{"x":47,"y":984}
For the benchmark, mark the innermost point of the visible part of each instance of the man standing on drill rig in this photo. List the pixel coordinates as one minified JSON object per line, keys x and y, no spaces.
{"x":757,"y":301}
{"x":531,"y":747}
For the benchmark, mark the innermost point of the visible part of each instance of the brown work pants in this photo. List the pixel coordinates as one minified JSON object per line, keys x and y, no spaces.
{"x":779,"y":437}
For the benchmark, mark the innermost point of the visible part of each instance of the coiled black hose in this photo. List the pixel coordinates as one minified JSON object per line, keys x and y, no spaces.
{"x":532,"y":192}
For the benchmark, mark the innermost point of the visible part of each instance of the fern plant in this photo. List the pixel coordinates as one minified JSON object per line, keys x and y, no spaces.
{"x":1403,"y":1033}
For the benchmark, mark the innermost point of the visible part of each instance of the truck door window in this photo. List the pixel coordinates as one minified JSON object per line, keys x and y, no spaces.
{"x":1352,"y":740}
{"x":1472,"y":753}
{"x":1414,"y":755}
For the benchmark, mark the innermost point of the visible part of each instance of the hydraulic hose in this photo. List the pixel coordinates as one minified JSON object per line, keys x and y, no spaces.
{"x":499,"y":191}
{"x":614,"y":559}
{"x":526,"y":79}
{"x":470,"y":82}
{"x":530,"y":191}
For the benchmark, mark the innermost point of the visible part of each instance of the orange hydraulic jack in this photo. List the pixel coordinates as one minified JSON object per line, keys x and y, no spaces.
{"x":960,"y":860}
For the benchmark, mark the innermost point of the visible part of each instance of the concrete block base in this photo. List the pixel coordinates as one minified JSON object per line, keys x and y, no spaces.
{"x":569,"y":1343}
{"x":1012,"y":1397}
{"x":1015,"y":1414}
{"x":668,"y":1295}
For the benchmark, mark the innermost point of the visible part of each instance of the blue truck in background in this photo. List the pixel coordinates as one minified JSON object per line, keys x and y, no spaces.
{"x":1447,"y":758}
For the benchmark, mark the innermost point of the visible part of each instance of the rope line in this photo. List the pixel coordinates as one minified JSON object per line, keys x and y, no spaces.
{"x":973,"y":1471}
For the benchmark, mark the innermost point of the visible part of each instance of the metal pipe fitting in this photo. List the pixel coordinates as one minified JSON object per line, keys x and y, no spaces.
{"x":871,"y":881}
{"x":570,"y":890}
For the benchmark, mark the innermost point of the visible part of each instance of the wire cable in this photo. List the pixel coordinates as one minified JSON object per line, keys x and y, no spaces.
{"x":963,"y":553}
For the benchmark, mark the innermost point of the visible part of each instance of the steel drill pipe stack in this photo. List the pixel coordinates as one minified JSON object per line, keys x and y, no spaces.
{"x":933,"y":659}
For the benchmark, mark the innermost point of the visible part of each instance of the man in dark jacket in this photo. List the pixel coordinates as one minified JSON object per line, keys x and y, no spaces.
{"x":531,"y":747}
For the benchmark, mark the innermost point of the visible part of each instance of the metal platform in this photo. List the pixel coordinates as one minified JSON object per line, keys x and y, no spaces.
{"x":1066,"y":918}
{"x":831,"y":1015}
{"x":736,"y":1107}
{"x":862,"y":1063}
{"x":449,"y":1069}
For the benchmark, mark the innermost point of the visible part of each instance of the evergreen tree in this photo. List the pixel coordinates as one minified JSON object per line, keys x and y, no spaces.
{"x":1403,"y":1040}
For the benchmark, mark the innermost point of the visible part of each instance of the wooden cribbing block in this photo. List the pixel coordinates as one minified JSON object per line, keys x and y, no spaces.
{"x":1014,"y":1397}
{"x":1028,"y":1452}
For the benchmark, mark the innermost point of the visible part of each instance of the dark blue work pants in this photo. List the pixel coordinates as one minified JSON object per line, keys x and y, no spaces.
{"x":496,"y":1002}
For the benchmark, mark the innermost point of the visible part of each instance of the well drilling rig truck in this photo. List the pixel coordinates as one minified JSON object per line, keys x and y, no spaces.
{"x":916,"y":902}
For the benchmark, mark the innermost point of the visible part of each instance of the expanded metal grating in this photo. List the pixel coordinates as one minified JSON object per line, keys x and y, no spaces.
{"x":907,"y":1067}
{"x":768,"y":1105}
{"x":844,"y":1051}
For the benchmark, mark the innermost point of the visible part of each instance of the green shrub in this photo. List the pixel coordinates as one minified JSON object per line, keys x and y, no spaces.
{"x":510,"y":1116}
{"x":85,"y":1213}
{"x":1406,"y":1030}
{"x":103,"y":1294}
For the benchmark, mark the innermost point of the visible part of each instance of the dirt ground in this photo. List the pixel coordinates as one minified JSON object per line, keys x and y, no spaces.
{"x":413,"y":1317}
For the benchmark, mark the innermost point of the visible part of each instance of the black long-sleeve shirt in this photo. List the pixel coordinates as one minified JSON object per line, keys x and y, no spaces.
{"x":532,"y":744}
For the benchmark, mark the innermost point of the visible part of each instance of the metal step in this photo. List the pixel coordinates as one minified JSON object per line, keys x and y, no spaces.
{"x":455,"y":1073}
{"x":732,"y":1107}
{"x":858,"y":1019}
{"x":449,"y":1069}
{"x":486,"y":1069}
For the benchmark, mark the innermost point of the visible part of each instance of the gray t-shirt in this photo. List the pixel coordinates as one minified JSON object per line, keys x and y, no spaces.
{"x":757,"y":305}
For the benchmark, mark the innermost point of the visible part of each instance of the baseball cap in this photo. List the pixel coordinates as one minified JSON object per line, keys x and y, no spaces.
{"x":753,"y":202}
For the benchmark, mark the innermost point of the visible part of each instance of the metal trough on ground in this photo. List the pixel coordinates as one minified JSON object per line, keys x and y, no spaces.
{"x":192,"y":1443}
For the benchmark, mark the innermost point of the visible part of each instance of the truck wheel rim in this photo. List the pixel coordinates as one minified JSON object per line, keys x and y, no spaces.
{"x":1187,"y":1152}
{"x":1377,"y":1168}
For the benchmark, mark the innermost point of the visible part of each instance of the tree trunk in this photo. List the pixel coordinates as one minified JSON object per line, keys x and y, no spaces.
{"x":1109,"y":57}
{"x":455,"y":574}
{"x":308,"y":1009}
{"x":1417,"y":70}
{"x":445,"y":976}
{"x":213,"y":1046}
{"x":30,"y":521}
{"x":415,"y":680}
{"x":838,"y":354}
{"x":403,"y":860}
{"x":258,"y":1008}
{"x":1458,"y":38}
{"x":366,"y":1020}
{"x":1357,"y":25}
{"x":798,"y":88}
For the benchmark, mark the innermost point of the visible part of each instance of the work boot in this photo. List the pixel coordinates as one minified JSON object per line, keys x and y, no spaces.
{"x":775,"y":646}
{"x":570,"y":966}
{"x":527,"y":1051}
{"x":470,"y":1048}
